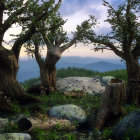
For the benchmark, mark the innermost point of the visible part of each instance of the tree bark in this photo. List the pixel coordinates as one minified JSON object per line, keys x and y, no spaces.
{"x":5,"y":105}
{"x":9,"y":86}
{"x":48,"y":68}
{"x":110,"y":104}
{"x":133,"y":87}
{"x":48,"y":79}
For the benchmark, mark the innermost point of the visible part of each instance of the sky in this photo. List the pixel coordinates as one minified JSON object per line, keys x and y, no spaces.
{"x":76,"y":11}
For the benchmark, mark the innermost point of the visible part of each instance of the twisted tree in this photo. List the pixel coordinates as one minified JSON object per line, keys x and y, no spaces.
{"x":19,"y":12}
{"x":53,"y":36}
{"x":124,"y":41}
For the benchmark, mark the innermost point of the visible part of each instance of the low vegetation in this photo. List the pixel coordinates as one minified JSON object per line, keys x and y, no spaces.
{"x":89,"y":103}
{"x":72,"y":72}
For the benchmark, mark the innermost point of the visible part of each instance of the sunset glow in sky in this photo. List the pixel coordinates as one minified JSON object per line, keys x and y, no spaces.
{"x":76,"y":11}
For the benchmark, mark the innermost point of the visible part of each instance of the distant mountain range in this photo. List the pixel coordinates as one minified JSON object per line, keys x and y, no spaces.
{"x":29,"y":69}
{"x":103,"y":66}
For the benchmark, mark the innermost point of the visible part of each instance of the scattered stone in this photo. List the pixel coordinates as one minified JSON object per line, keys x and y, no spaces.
{"x":70,"y":112}
{"x":15,"y":136}
{"x":129,"y":123}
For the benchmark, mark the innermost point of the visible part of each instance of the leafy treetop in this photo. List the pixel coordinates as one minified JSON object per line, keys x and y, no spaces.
{"x":125,"y":34}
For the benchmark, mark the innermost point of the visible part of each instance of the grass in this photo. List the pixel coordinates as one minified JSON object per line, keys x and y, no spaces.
{"x":89,"y":103}
{"x":72,"y":72}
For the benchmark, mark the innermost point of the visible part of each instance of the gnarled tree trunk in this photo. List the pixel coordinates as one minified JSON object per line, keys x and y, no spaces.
{"x":8,"y":70}
{"x":133,"y":87}
{"x":9,"y":86}
{"x":48,"y":79}
{"x":48,"y":68}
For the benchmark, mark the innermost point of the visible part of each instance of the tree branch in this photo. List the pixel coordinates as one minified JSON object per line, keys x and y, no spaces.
{"x":107,"y":44}
{"x":46,"y":40}
{"x":21,"y":40}
{"x":1,"y":13}
{"x":136,"y":50}
{"x":105,"y":3}
{"x":37,"y":55}
{"x":129,"y":26}
{"x":28,"y":34}
{"x":13,"y":18}
{"x":73,"y":41}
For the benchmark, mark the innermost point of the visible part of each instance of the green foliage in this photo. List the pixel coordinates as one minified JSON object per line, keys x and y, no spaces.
{"x":120,"y":74}
{"x":10,"y":128}
{"x":58,"y":126}
{"x":71,"y":72}
{"x":38,"y":134}
{"x":60,"y":135}
{"x":26,"y":112}
{"x":87,"y":103}
{"x":16,"y":107}
{"x":30,"y":82}
{"x":126,"y":108}
{"x":131,"y":135}
{"x":124,"y":29}
{"x":107,"y":132}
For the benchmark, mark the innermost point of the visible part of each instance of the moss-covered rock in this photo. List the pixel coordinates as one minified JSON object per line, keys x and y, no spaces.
{"x":70,"y":112}
{"x":15,"y":136}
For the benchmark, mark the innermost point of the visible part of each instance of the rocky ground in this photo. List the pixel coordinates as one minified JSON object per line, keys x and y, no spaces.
{"x":72,"y":110}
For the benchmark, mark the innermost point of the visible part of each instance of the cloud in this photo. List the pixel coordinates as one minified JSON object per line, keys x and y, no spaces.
{"x":76,"y":11}
{"x":76,"y":18}
{"x":86,"y":51}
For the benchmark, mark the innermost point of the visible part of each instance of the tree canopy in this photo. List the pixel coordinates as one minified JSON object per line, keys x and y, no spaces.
{"x":21,"y":12}
{"x":50,"y":34}
{"x":125,"y":25}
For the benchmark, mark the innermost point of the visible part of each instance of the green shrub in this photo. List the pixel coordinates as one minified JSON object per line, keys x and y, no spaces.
{"x":10,"y":128}
{"x":38,"y":134}
{"x":131,"y":135}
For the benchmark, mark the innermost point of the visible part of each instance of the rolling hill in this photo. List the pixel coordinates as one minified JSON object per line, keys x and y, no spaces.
{"x":29,"y":69}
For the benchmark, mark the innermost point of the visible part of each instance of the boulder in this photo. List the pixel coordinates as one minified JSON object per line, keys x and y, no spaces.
{"x":15,"y":136}
{"x":85,"y":84}
{"x":129,"y":123}
{"x":106,"y":79}
{"x":70,"y":112}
